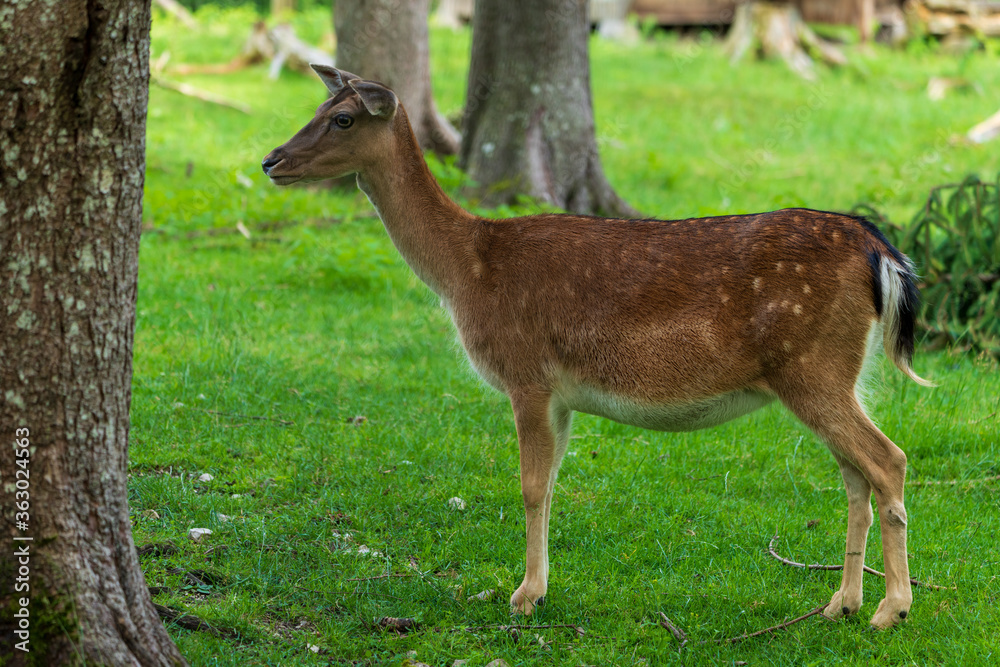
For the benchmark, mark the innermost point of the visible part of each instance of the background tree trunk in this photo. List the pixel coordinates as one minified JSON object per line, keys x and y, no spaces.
{"x":387,"y":41}
{"x":73,"y":93}
{"x":866,"y":19}
{"x":776,"y":29}
{"x":279,"y":7}
{"x":529,"y":120}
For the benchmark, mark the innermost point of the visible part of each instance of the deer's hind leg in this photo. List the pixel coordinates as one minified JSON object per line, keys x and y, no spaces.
{"x":869,"y":463}
{"x":847,"y":600}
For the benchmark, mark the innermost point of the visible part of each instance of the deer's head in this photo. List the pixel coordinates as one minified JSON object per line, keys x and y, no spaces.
{"x":350,"y":132}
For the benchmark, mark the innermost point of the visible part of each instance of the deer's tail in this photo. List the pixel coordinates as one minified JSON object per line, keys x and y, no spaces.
{"x":897,"y":301}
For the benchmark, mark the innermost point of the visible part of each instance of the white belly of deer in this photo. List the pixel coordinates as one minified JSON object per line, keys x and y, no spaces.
{"x":687,"y":416}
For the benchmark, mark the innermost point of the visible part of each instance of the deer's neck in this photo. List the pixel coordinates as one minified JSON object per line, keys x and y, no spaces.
{"x":431,"y":232}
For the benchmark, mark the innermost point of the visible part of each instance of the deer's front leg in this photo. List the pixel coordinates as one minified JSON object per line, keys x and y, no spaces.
{"x":542,"y":434}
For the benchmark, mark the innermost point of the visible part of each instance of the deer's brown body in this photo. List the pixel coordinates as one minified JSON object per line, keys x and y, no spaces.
{"x":668,"y":325}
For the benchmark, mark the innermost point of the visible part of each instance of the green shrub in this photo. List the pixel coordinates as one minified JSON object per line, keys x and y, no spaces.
{"x":955,"y":241}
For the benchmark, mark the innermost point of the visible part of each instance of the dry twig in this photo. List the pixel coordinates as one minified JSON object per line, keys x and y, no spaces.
{"x":816,"y":566}
{"x":190,"y":622}
{"x":310,"y":590}
{"x":204,"y":96}
{"x":773,"y":628}
{"x":398,"y":625}
{"x":180,"y":12}
{"x":954,"y":482}
{"x":384,"y":576}
{"x":283,"y":422}
{"x":982,"y":419}
{"x":580,"y":632}
{"x":678,"y":634}
{"x":932,"y":482}
{"x":682,"y":637}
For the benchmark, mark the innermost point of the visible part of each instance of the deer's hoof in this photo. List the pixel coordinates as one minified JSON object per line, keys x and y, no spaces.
{"x":842,"y":605}
{"x":890,"y":613}
{"x":526,"y":599}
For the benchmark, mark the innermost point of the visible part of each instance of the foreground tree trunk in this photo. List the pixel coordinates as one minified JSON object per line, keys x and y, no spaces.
{"x":387,"y":41}
{"x":73,"y":91}
{"x":529,"y":119}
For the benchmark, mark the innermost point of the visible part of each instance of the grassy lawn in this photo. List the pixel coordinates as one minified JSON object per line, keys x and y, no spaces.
{"x":309,"y":373}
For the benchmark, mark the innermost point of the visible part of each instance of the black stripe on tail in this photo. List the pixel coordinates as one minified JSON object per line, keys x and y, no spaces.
{"x":909,"y":303}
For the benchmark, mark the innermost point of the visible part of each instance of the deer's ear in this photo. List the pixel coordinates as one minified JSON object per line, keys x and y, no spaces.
{"x":379,"y":100}
{"x":334,"y":79}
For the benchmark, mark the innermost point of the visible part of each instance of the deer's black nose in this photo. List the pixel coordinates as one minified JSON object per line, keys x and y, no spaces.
{"x":268,"y":163}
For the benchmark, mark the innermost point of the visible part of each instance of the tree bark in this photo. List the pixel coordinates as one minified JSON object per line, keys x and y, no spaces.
{"x":387,"y":41}
{"x":777,"y":29}
{"x":73,"y":93}
{"x":866,"y":19}
{"x":529,"y":119}
{"x":279,"y":7}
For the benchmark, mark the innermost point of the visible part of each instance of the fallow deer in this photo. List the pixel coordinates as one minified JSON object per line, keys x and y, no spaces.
{"x":670,"y":325}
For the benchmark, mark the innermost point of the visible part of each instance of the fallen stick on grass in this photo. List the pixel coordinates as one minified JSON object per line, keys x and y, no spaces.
{"x":384,"y":576}
{"x":189,"y":622}
{"x":678,"y":634}
{"x":816,"y":566}
{"x":934,"y":482}
{"x":191,"y":91}
{"x":682,"y":637}
{"x":773,"y":628}
{"x":580,"y":632}
{"x":178,"y":11}
{"x":283,"y":422}
{"x":953,"y":482}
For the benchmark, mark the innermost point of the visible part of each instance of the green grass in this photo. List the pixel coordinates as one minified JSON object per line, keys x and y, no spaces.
{"x":316,"y":320}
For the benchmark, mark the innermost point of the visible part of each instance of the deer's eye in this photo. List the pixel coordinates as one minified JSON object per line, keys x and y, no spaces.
{"x":343,"y":120}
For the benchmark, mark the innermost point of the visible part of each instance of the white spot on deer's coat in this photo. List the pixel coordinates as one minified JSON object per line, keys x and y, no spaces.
{"x":806,"y":289}
{"x":799,"y":268}
{"x":797,"y":309}
{"x":757,"y":283}
{"x":779,"y":266}
{"x":787,"y":345}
